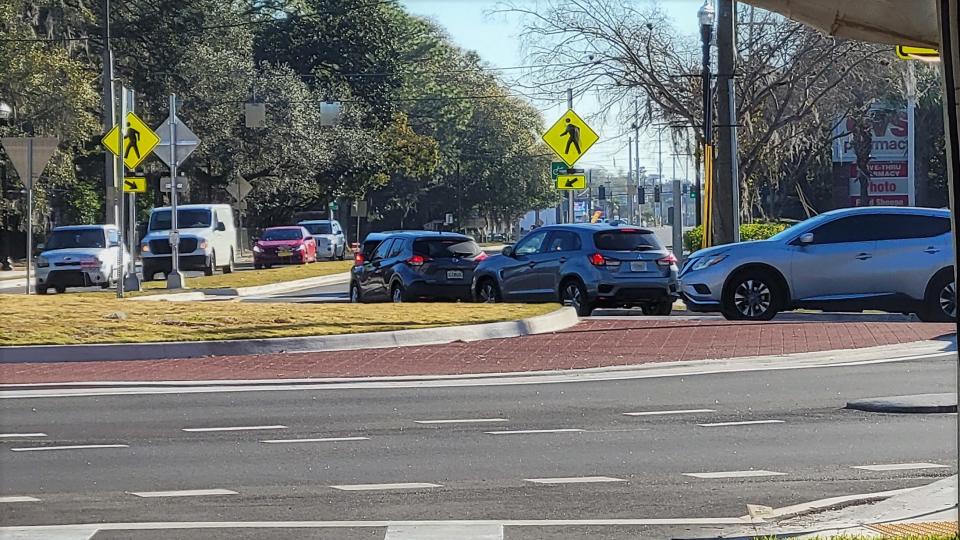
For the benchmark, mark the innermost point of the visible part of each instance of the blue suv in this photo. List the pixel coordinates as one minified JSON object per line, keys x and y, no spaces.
{"x":585,"y":266}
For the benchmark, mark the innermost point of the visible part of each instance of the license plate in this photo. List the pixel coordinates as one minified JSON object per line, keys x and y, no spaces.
{"x":285,"y":253}
{"x":638,"y":267}
{"x":454,"y":274}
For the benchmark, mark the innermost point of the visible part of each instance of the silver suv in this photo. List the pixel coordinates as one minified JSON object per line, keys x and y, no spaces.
{"x":585,"y":266}
{"x":893,"y":259}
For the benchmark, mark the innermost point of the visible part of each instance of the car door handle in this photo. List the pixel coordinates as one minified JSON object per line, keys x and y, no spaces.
{"x":864,"y":256}
{"x":563,"y":259}
{"x":931,"y":250}
{"x":531,"y":264}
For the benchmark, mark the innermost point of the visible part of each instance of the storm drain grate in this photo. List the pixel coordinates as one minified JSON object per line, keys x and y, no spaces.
{"x":945,"y":528}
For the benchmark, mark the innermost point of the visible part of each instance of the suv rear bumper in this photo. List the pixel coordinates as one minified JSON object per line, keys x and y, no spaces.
{"x":446,"y":291}
{"x":635,"y":293}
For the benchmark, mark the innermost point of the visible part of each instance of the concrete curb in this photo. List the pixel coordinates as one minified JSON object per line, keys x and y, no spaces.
{"x":273,"y":288}
{"x":551,"y":322}
{"x":914,"y":404}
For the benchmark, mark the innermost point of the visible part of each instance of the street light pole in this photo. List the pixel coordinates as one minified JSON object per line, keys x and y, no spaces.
{"x":706,"y":16}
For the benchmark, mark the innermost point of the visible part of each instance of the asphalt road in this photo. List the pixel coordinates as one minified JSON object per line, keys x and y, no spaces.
{"x":806,"y":443}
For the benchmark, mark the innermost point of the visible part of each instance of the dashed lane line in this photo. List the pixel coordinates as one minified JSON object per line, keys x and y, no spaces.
{"x":734,"y":474}
{"x":657,"y":413}
{"x":183,"y":493}
{"x":322,"y":439}
{"x":21,"y":435}
{"x":444,"y":532}
{"x":462,"y":421}
{"x":575,"y":480}
{"x":743,"y":423}
{"x":18,"y":499}
{"x":382,"y":487}
{"x":900,"y":467}
{"x":232,"y":428}
{"x":534,"y":431}
{"x":70,"y":447}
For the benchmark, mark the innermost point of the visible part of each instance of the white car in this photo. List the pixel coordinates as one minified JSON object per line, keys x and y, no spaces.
{"x":331,"y":242}
{"x":80,"y":256}
{"x":208,"y":239}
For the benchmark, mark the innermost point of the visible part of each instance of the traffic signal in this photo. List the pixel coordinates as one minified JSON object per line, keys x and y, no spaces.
{"x":601,"y":193}
{"x":656,"y":194}
{"x":641,"y":195}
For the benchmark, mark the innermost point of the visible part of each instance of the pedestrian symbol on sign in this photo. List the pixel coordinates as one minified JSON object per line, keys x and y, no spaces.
{"x":132,"y":141}
{"x":573,"y":137}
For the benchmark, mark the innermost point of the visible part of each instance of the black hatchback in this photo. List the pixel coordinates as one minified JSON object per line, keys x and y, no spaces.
{"x":417,"y":265}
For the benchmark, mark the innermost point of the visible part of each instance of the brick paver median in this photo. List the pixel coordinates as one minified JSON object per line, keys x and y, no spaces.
{"x":592,"y":343}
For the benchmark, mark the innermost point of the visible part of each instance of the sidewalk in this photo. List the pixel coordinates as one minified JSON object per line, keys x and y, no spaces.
{"x":590,"y":344}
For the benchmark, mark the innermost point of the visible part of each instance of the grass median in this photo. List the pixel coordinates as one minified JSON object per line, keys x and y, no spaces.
{"x":253,"y":278}
{"x":95,"y":318}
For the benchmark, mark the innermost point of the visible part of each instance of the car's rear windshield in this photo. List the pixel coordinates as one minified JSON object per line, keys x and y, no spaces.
{"x":281,"y":234}
{"x":444,"y":248}
{"x":627,"y":240}
{"x":319,"y":228}
{"x":186,"y":219}
{"x":75,"y":238}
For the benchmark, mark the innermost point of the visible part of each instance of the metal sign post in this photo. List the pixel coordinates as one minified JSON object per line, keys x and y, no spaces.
{"x":121,"y":135}
{"x":174,"y":278}
{"x":29,"y":212}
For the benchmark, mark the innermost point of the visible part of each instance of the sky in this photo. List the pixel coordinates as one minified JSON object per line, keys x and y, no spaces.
{"x":473,"y":26}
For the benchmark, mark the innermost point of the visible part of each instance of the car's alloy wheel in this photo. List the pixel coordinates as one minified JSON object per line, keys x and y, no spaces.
{"x":488,"y":293}
{"x":397,"y":295}
{"x":752,"y":298}
{"x":948,"y":299}
{"x":354,"y":294}
{"x":572,"y":295}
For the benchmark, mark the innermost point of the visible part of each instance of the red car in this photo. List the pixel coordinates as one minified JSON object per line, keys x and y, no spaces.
{"x":284,"y":245}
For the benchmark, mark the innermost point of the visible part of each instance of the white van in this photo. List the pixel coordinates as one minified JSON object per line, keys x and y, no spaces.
{"x":208,"y":239}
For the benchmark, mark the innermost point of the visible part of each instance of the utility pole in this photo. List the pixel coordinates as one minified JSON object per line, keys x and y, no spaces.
{"x":570,"y":192}
{"x":636,"y":153}
{"x":707,"y":17}
{"x":109,"y":166}
{"x":631,"y":188}
{"x":726,"y":207}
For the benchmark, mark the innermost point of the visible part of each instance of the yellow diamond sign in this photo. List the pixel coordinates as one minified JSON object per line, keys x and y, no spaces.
{"x":137,"y":145}
{"x":570,"y":137}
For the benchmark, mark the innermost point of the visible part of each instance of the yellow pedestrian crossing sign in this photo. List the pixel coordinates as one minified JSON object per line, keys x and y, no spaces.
{"x":571,"y":181}
{"x":570,"y":137}
{"x":138,"y":143}
{"x":134,"y":184}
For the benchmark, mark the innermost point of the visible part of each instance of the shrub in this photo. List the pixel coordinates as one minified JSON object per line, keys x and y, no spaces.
{"x":693,"y":239}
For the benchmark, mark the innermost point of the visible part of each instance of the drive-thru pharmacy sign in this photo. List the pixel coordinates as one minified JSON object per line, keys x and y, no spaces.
{"x":891,"y":174}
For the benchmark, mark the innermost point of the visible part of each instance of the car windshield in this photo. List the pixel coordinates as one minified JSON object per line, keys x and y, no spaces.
{"x":440,"y":248}
{"x":369,"y":246}
{"x":186,"y":219}
{"x":627,"y":240}
{"x":319,"y":228}
{"x":282,"y":234}
{"x":76,"y":238}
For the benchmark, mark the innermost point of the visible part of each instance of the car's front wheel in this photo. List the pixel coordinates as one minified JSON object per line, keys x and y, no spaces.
{"x":573,"y":294}
{"x":488,"y":292}
{"x":231,"y":265}
{"x":398,"y":295}
{"x":752,"y":295}
{"x":356,"y":296}
{"x":940,"y":302}
{"x":211,"y":265}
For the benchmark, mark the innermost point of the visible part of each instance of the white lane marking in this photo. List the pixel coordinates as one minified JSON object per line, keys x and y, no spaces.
{"x":681,"y":411}
{"x":612,"y":373}
{"x":183,"y":493}
{"x":533,"y":431}
{"x":231,"y":428}
{"x":744,"y":423}
{"x":18,"y":498}
{"x":16,"y":435}
{"x":376,"y":487}
{"x":462,"y":421}
{"x":900,"y":466}
{"x":444,"y":532}
{"x":734,"y":474}
{"x":71,"y":447}
{"x":574,"y":480}
{"x":324,"y":439}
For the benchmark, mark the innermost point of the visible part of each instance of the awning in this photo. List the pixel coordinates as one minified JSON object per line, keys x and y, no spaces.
{"x":897,"y":22}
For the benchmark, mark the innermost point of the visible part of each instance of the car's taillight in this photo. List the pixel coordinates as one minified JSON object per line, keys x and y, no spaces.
{"x":417,"y":260}
{"x":483,"y":255}
{"x":358,"y":259}
{"x":668,"y":260}
{"x":598,"y":259}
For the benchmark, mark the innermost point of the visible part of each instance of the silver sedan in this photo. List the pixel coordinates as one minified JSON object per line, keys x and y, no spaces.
{"x":893,"y":259}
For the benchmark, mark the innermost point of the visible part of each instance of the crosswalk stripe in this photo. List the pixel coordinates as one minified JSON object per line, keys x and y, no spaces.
{"x":18,"y":498}
{"x":444,"y":532}
{"x":899,"y":467}
{"x":574,"y":480}
{"x":735,"y":474}
{"x":183,"y":493}
{"x":377,"y":487}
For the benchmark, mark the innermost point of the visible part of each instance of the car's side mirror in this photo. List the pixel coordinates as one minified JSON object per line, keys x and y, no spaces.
{"x":806,"y":239}
{"x":221,"y":226}
{"x":507,"y":251}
